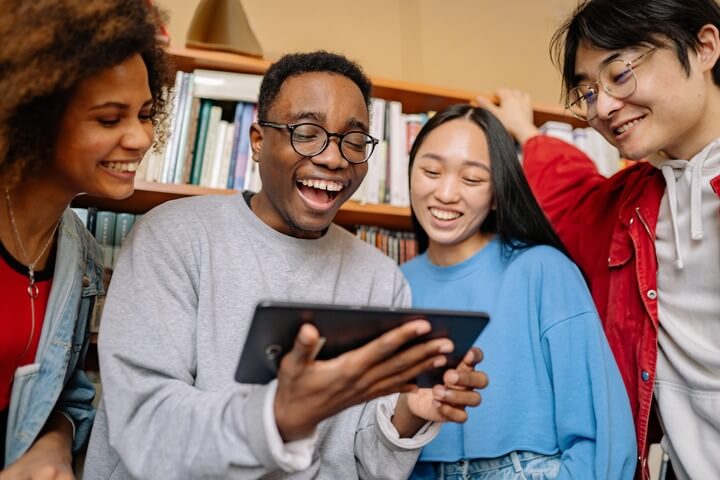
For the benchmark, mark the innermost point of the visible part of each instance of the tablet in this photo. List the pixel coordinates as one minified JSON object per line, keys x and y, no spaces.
{"x":346,"y":327}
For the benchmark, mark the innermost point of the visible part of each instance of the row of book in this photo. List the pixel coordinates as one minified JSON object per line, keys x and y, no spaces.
{"x":109,"y":229}
{"x":399,"y":245}
{"x":603,"y":154}
{"x":387,"y":177}
{"x":209,"y":140}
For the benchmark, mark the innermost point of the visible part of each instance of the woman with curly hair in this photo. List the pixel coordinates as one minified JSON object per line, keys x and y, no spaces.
{"x":84,"y":87}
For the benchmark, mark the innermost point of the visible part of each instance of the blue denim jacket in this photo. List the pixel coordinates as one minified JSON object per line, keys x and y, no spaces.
{"x":55,"y":381}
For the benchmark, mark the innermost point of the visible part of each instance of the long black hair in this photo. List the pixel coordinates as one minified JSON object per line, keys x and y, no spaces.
{"x":517,"y":218}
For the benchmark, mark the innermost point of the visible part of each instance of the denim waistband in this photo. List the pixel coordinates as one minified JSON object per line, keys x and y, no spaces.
{"x":475,"y":466}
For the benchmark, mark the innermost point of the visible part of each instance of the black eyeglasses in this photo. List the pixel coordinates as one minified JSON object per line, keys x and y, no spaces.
{"x":309,"y":140}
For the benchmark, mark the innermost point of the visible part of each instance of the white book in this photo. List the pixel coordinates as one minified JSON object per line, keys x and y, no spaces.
{"x":371,"y":189}
{"x":381,"y":169}
{"x":561,"y":130}
{"x":218,"y":85}
{"x":218,"y":152}
{"x":606,"y":157}
{"x":186,"y":109}
{"x":224,"y":154}
{"x":398,"y":157}
{"x":252,"y":175}
{"x":172,"y":132}
{"x":155,"y":161}
{"x":210,"y":145}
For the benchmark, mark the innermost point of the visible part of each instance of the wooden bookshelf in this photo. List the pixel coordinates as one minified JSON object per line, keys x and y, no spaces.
{"x":150,"y":194}
{"x":415,"y":97}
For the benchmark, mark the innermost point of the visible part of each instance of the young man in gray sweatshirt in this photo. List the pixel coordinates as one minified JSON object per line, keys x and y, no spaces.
{"x":185,"y":288}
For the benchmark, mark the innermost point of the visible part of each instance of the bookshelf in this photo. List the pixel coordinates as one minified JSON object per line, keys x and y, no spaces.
{"x":415,"y":98}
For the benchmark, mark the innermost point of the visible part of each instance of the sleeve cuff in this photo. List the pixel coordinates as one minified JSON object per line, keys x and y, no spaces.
{"x":291,"y":456}
{"x":384,"y":413}
{"x":70,"y":420}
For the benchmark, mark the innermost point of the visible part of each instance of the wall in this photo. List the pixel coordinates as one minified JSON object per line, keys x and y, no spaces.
{"x":476,"y":45}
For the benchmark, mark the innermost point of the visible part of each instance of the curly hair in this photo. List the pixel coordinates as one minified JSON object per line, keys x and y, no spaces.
{"x":48,"y":47}
{"x":298,"y":63}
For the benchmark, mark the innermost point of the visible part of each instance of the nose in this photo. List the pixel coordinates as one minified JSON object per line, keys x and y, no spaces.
{"x":446,"y":190}
{"x":331,"y":157}
{"x":138,"y":136}
{"x":606,"y":105}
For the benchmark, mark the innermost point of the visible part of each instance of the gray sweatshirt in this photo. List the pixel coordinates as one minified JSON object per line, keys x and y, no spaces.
{"x":175,"y":321}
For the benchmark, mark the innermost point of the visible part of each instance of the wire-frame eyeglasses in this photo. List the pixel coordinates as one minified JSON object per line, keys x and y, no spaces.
{"x":617,"y":78}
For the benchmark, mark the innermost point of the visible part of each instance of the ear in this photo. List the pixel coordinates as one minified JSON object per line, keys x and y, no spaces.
{"x":256,"y":140}
{"x":708,"y":49}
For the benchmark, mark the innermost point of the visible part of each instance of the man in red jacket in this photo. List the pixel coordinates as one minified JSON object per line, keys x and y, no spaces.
{"x":645,"y":74}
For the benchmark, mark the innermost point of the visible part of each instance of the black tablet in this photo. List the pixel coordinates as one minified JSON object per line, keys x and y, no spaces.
{"x":345,"y":327}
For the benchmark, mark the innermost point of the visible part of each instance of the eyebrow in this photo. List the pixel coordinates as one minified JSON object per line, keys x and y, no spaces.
{"x":351,"y":123}
{"x":119,"y":105}
{"x":610,"y":58}
{"x":466,"y":163}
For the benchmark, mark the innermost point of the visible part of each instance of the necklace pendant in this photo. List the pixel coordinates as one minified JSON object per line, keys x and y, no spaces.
{"x":33,"y":291}
{"x":32,"y":288}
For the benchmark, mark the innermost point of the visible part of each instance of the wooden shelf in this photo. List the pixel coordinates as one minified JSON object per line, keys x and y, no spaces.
{"x":415,"y":97}
{"x":146,"y":196}
{"x":150,"y":194}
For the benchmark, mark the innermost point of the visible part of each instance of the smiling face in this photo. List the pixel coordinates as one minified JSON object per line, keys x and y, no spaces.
{"x":301,"y":195}
{"x":105,"y":132}
{"x":451,"y":190}
{"x":669,"y":109}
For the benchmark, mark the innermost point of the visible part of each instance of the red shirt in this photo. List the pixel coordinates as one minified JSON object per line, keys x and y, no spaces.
{"x":608,"y":227}
{"x":16,"y":318}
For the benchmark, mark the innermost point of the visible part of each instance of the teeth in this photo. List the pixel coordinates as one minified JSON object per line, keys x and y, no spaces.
{"x":624,"y":128}
{"x":328,"y":185}
{"x":121,"y":166}
{"x":444,"y":214}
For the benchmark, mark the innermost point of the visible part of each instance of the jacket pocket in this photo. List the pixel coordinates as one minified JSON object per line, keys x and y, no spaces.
{"x":20,"y":401}
{"x":621,"y":247}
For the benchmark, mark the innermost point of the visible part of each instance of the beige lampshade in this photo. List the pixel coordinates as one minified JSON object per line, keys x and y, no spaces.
{"x":222,"y":25}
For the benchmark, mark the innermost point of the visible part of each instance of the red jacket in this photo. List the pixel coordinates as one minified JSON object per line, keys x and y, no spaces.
{"x":608,"y":227}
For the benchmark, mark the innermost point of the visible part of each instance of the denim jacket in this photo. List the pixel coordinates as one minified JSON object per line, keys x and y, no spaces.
{"x":56,"y":382}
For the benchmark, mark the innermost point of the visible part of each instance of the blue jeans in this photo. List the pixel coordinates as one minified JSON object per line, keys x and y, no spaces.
{"x":513,"y":466}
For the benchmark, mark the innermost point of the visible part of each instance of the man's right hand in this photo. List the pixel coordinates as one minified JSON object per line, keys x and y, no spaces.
{"x":310,"y":390}
{"x":514,"y":111}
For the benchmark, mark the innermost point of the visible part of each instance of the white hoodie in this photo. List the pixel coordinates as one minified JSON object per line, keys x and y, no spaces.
{"x":687,"y":386}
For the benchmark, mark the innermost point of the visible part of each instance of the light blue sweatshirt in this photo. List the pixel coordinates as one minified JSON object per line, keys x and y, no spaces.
{"x":554,"y":385}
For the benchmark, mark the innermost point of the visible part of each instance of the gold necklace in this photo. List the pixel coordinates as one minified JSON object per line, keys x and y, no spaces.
{"x":32,"y":288}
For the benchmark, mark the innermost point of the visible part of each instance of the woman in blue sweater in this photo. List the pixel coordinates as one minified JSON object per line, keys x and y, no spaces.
{"x":556,"y":406}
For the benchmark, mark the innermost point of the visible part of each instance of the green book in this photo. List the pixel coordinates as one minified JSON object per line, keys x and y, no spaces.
{"x":199,"y":150}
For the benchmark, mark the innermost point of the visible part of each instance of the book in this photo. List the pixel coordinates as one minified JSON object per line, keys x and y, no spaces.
{"x":218,"y":85}
{"x":243,"y":154}
{"x":199,"y":149}
{"x":123,"y":224}
{"x":211,"y":138}
{"x":105,"y":235}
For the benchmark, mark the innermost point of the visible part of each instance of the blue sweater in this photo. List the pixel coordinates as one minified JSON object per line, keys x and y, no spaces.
{"x":554,"y":385}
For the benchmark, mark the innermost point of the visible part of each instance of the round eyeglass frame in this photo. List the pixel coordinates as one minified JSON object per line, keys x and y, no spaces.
{"x":631,"y":65}
{"x":328,"y":135}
